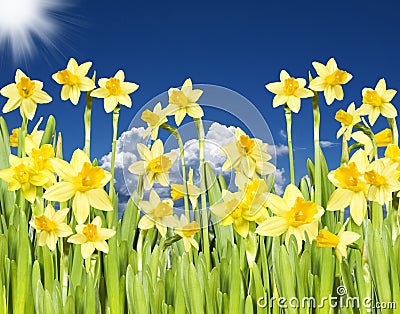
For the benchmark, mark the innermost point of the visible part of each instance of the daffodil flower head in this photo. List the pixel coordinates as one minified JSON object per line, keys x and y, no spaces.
{"x":154,"y":120}
{"x":351,"y":187}
{"x":392,"y":153}
{"x":25,"y":94}
{"x":74,"y":80}
{"x":22,"y":176}
{"x":289,"y":91}
{"x":382,"y":181}
{"x":293,"y":215}
{"x":114,"y":91}
{"x":338,"y":242}
{"x":92,"y":237}
{"x":184,"y":102}
{"x":158,"y":213}
{"x":51,"y":226}
{"x":242,"y":207}
{"x":247,"y":155}
{"x":378,"y":101}
{"x":178,"y":192}
{"x":155,"y":165}
{"x":186,"y":230}
{"x":330,"y":80}
{"x":82,"y":181}
{"x":348,"y":119}
{"x":384,"y":138}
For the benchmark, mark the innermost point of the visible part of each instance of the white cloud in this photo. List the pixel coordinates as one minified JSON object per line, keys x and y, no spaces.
{"x":216,"y":136}
{"x":282,"y":133}
{"x":280,"y":180}
{"x":325,"y":144}
{"x":278,"y":150}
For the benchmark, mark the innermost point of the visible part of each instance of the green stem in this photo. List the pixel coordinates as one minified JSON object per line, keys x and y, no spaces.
{"x":87,"y":120}
{"x":113,"y":215}
{"x":204,"y":213}
{"x":288,"y":115}
{"x":367,"y":131}
{"x":395,"y":132}
{"x":114,"y":146}
{"x":175,"y":133}
{"x":317,"y":151}
{"x":21,"y":137}
{"x":345,"y":152}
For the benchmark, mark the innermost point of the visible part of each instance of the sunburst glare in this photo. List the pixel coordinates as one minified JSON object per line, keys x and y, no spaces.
{"x":26,"y":23}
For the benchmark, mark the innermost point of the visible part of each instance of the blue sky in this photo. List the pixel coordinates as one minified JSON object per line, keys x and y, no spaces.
{"x":236,"y":44}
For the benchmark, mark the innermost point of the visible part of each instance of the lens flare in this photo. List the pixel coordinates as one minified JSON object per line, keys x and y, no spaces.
{"x":24,"y":24}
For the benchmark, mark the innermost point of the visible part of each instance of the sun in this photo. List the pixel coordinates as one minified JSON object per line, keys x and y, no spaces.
{"x":25,"y":23}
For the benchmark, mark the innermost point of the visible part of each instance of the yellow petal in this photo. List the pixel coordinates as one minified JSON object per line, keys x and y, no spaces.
{"x":101,"y":246}
{"x":358,"y":207}
{"x":79,"y":157}
{"x":29,"y":192}
{"x":81,"y":207}
{"x":100,"y":93}
{"x":60,"y":192}
{"x":77,"y":239}
{"x":339,"y":200}
{"x":87,"y":249}
{"x":98,"y":198}
{"x":273,"y":226}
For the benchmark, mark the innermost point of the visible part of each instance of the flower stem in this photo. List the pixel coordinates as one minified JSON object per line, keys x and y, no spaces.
{"x":395,"y":132}
{"x":317,"y":151}
{"x":345,"y":152}
{"x":22,"y":136}
{"x":288,"y":115}
{"x":87,"y":120}
{"x":175,"y":133}
{"x":204,"y":213}
{"x":114,"y":146}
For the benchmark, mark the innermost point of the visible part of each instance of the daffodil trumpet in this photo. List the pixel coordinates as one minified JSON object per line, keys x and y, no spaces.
{"x":288,"y":116}
{"x":175,"y":133}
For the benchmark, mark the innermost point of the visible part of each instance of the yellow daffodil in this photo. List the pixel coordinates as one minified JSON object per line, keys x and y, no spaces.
{"x":382,"y":182}
{"x":338,"y":242}
{"x":348,"y":119}
{"x":183,"y":102}
{"x":157,"y":212}
{"x":91,"y":237}
{"x":330,"y":80}
{"x":14,"y":137}
{"x":242,"y":207}
{"x":382,"y":139}
{"x":115,"y":91}
{"x":293,"y":215}
{"x":74,"y":80}
{"x":32,"y":140}
{"x":177,"y":190}
{"x":247,"y":155}
{"x":186,"y":230}
{"x":41,"y":162}
{"x":289,"y":91}
{"x":155,"y":164}
{"x":378,"y":101}
{"x":392,"y":153}
{"x":51,"y":226}
{"x":351,"y":187}
{"x":82,"y":181}
{"x":154,"y":120}
{"x":25,"y":94}
{"x":22,"y":175}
